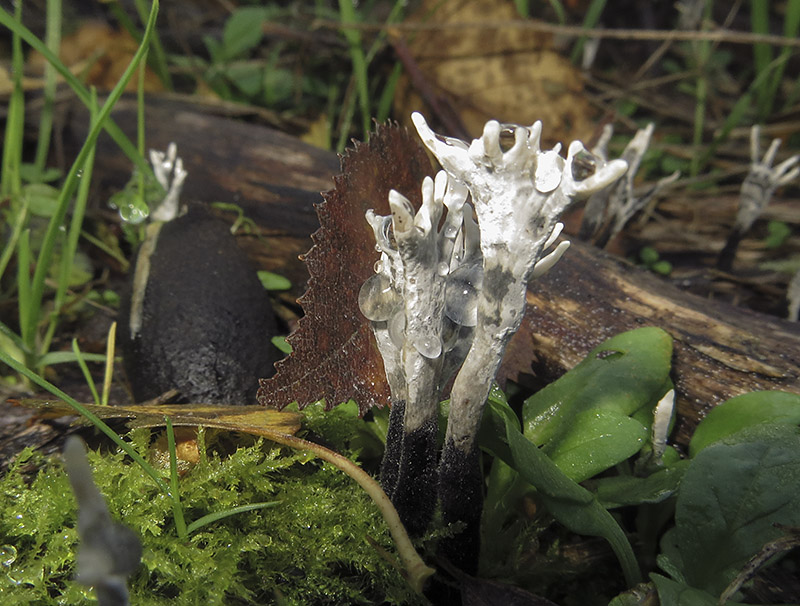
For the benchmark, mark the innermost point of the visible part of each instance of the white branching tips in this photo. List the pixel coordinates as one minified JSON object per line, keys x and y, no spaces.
{"x":610,"y":209}
{"x":449,"y":293}
{"x":170,"y":174}
{"x":762,"y":180}
{"x":757,"y":188}
{"x":109,"y":552}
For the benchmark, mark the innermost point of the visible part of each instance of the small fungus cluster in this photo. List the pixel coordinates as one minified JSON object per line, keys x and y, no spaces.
{"x":448,"y":294}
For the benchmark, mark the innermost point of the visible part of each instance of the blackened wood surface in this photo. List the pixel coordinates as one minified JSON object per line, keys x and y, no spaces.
{"x":720,"y":350}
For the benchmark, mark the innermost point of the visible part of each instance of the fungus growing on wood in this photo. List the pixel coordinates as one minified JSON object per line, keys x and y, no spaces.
{"x":449,"y":298}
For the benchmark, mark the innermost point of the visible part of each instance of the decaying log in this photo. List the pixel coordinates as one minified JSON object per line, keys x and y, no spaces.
{"x":720,"y":350}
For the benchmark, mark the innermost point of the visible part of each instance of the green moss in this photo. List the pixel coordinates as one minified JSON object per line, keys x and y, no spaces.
{"x":310,"y":548}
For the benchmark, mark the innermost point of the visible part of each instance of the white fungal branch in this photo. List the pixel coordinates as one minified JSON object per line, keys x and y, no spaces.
{"x":170,"y":174}
{"x":613,"y":206}
{"x":762,"y":180}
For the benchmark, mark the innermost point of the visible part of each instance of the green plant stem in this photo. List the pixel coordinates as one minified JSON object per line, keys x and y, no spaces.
{"x":417,"y":572}
{"x":85,"y":370}
{"x":53,"y":42}
{"x":46,"y":253}
{"x":175,"y":491}
{"x":70,"y":247}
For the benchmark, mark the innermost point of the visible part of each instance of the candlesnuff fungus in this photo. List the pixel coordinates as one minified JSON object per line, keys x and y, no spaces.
{"x":451,"y":297}
{"x":757,"y":188}
{"x":609,"y":210}
{"x":109,"y":552}
{"x":196,"y":319}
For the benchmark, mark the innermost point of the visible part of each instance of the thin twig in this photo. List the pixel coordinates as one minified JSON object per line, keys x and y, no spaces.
{"x":720,"y":35}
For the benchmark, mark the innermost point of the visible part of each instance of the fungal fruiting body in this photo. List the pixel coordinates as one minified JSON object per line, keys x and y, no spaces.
{"x":196,"y":317}
{"x":451,"y":294}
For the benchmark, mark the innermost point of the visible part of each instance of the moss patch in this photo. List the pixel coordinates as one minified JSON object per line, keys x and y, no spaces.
{"x":310,"y":547}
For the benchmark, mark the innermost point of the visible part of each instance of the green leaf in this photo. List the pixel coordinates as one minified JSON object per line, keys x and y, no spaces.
{"x":271,"y":281}
{"x":246,"y":77}
{"x":42,"y":199}
{"x":730,"y":499}
{"x":595,"y":441}
{"x":619,"y":491}
{"x":745,"y":411}
{"x":673,"y":593}
{"x":282,"y":344}
{"x":567,"y":501}
{"x":779,"y":232}
{"x":243,"y":31}
{"x":621,"y":375}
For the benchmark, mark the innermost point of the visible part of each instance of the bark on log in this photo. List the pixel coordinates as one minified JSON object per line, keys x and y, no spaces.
{"x":720,"y":350}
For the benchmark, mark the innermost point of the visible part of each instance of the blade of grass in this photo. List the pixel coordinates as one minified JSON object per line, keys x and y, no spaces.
{"x":158,"y":58}
{"x":590,"y":20}
{"x":175,"y":491}
{"x":220,"y":515}
{"x":46,"y":253}
{"x":347,"y":15}
{"x":70,"y":247}
{"x":85,"y":370}
{"x":24,"y":288}
{"x":10,"y":181}
{"x":53,"y":42}
{"x":111,"y":347}
{"x":78,"y":88}
{"x":19,"y":222}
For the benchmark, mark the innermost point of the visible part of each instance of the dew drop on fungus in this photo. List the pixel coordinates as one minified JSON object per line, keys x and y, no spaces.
{"x":443,"y":268}
{"x":461,"y":299}
{"x":377,"y":299}
{"x":397,"y":328}
{"x":429,"y":346}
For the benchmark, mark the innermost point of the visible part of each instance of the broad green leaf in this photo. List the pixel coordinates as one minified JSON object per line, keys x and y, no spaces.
{"x":567,"y":501}
{"x":243,"y":31}
{"x":745,"y":411}
{"x":730,"y":499}
{"x":673,"y":593}
{"x":596,"y":440}
{"x":246,"y":76}
{"x":621,"y":375}
{"x":619,"y":491}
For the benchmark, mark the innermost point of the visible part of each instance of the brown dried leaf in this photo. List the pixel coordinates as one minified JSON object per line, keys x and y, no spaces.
{"x":334,"y":354}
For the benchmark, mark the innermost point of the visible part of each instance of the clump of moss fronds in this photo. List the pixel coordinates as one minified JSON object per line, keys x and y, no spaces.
{"x":310,"y":546}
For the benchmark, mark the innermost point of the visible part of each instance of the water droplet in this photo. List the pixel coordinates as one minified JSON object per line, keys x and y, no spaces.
{"x":443,"y":268}
{"x":429,"y":346}
{"x":378,"y":267}
{"x":397,"y":328}
{"x":451,"y":231}
{"x":8,"y":555}
{"x":377,"y":299}
{"x":134,"y":213}
{"x":461,"y":299}
{"x":79,"y":173}
{"x":378,"y":248}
